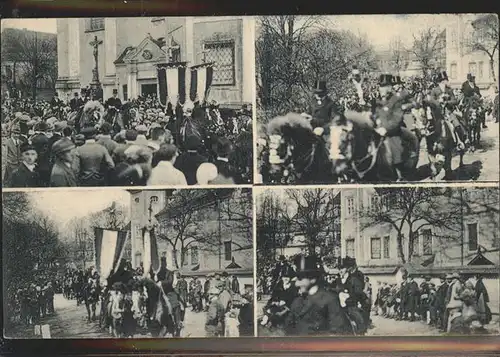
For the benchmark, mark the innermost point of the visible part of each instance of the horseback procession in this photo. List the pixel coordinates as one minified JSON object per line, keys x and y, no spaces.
{"x":375,"y":133}
{"x":86,"y":141}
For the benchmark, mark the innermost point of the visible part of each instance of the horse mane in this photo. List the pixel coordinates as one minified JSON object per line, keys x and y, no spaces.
{"x":291,"y":120}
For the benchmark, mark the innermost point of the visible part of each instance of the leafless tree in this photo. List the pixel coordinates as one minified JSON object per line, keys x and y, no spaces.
{"x":399,"y":55}
{"x":484,"y":38}
{"x":428,"y":48}
{"x":34,"y":54}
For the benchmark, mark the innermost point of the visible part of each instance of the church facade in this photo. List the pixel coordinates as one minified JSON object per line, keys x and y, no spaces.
{"x":130,"y":48}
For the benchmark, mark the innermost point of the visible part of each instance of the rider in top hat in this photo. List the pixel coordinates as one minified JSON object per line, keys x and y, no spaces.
{"x":316,"y":311}
{"x":443,"y":95}
{"x":469,"y":88}
{"x":322,"y":109}
{"x":114,"y":101}
{"x":389,"y":122}
{"x":76,"y":102}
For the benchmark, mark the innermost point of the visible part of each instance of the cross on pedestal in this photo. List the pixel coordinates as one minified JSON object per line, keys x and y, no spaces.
{"x":95,"y":72}
{"x":203,"y":56}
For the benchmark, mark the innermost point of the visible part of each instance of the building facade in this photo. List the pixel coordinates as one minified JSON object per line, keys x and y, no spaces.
{"x":436,"y":250}
{"x":460,"y":60}
{"x":131,"y":48}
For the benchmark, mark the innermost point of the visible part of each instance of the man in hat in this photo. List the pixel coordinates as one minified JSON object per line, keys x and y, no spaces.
{"x":206,"y":288}
{"x":105,"y":138}
{"x":182,"y":288}
{"x":281,"y":299}
{"x":76,"y":102}
{"x":92,"y":161}
{"x":315,"y":311}
{"x":63,"y":174}
{"x":398,"y":84}
{"x":389,"y":115}
{"x":165,"y":173}
{"x":41,"y":142}
{"x":165,"y":276}
{"x":441,"y":293}
{"x":413,"y":296}
{"x":119,"y":152}
{"x":225,"y":168}
{"x":55,"y":102}
{"x":469,"y":88}
{"x":322,"y":109}
{"x":188,"y":162}
{"x":13,"y":157}
{"x":26,"y":174}
{"x":453,"y":301}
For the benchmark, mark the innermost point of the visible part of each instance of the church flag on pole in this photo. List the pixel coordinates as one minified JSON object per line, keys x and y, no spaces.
{"x":201,"y":80}
{"x":151,"y":258}
{"x":171,"y":79}
{"x":109,"y":247}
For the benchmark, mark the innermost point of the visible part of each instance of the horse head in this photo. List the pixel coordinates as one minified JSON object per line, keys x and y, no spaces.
{"x":340,"y":143}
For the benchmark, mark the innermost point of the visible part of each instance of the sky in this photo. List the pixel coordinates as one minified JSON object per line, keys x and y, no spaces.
{"x":62,"y":206}
{"x":41,"y":25}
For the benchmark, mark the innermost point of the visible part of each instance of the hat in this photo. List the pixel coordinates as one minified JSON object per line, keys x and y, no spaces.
{"x":115,"y":91}
{"x":288,"y":272}
{"x":224,"y":147}
{"x":192,"y":142}
{"x":385,"y":80}
{"x":62,"y":145}
{"x":449,"y":276}
{"x":320,"y":87}
{"x":470,"y":77}
{"x":17,"y":115}
{"x":213,"y":291}
{"x":307,"y":266}
{"x":348,"y":262}
{"x":50,"y":126}
{"x":141,"y":128}
{"x":76,"y":94}
{"x":26,"y":146}
{"x":441,"y":76}
{"x":455,"y":276}
{"x":88,"y":132}
{"x":24,"y":118}
{"x":79,"y":139}
{"x":224,"y":274}
{"x":205,"y":173}
{"x":131,"y":135}
{"x":282,"y":258}
{"x":60,"y":125}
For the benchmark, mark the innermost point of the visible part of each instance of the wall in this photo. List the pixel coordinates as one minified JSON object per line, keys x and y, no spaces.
{"x":223,"y":30}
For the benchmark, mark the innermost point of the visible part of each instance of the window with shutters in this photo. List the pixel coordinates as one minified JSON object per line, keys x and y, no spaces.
{"x":387,"y":247}
{"x":228,"y":252}
{"x":222,"y":54}
{"x":95,"y":24}
{"x":376,"y":248}
{"x":427,"y":241}
{"x":194,"y":256}
{"x":125,"y":92}
{"x":350,"y":205}
{"x":472,"y":234}
{"x":349,"y":247}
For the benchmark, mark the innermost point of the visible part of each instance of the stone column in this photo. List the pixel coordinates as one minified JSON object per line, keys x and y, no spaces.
{"x":248,"y":62}
{"x":132,"y":81}
{"x":109,"y":45}
{"x":62,"y":48}
{"x":74,"y":48}
{"x":189,"y":40}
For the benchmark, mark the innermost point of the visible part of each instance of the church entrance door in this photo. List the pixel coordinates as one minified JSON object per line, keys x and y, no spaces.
{"x":148,"y":89}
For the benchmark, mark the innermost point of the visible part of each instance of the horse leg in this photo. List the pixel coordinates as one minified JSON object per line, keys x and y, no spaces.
{"x":93,"y":311}
{"x":88,"y":311}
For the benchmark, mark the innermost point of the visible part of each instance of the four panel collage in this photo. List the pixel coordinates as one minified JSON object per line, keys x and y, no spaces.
{"x":250,"y":176}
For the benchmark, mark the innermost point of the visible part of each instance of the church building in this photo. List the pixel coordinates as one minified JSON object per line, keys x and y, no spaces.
{"x":128,"y":50}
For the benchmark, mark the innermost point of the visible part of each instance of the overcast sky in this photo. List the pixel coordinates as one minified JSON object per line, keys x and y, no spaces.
{"x":62,"y":206}
{"x":41,"y":25}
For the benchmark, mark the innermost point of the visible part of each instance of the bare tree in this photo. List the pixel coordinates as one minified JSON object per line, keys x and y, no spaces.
{"x":34,"y":54}
{"x":399,"y":55}
{"x":484,"y":38}
{"x":428,"y":48}
{"x":314,"y":217}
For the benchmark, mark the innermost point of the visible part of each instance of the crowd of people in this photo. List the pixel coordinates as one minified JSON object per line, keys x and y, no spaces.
{"x":343,"y":303}
{"x":50,"y":144}
{"x":35,"y":302}
{"x":455,"y":304}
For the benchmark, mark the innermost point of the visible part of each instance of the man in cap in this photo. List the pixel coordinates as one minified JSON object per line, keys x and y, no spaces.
{"x":63,"y":174}
{"x":413,"y":297}
{"x":322,"y":109}
{"x":26,"y":174}
{"x":76,"y":102}
{"x":92,"y":161}
{"x":315,"y":311}
{"x":13,"y":157}
{"x":389,"y":115}
{"x":188,"y":162}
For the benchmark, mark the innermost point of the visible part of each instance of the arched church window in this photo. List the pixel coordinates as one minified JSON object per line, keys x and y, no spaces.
{"x":95,"y":24}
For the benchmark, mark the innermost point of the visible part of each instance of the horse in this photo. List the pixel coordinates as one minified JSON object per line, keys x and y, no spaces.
{"x":91,"y":293}
{"x":162,"y":317}
{"x":473,"y":120}
{"x":440,"y":142}
{"x":294,"y":153}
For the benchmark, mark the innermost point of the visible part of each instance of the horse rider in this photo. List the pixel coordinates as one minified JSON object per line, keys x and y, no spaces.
{"x":389,"y":122}
{"x":322,"y":110}
{"x":442,"y":95}
{"x":469,"y":88}
{"x":76,"y":102}
{"x":316,"y":311}
{"x":165,"y":279}
{"x":113,"y":104}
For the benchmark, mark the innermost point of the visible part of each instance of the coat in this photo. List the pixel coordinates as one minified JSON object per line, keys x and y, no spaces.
{"x":453,"y":297}
{"x":317,"y":314}
{"x":12,"y":157}
{"x":75,"y":103}
{"x":23,"y":177}
{"x":214,"y":324}
{"x":42,"y":146}
{"x":166,"y":174}
{"x":287,"y":295}
{"x":322,"y":113}
{"x":166,"y":276}
{"x":437,"y":92}
{"x":482,"y":297}
{"x":93,"y":163}
{"x":182,"y":289}
{"x":469,"y":91}
{"x":62,"y":176}
{"x":108,"y":143}
{"x":188,"y":163}
{"x":235,"y":286}
{"x":441,"y":296}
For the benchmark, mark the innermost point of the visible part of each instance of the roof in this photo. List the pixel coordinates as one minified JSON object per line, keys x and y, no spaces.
{"x":122,"y":55}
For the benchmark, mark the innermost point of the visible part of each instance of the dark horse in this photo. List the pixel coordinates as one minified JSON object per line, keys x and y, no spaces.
{"x":440,"y":141}
{"x":472,"y":117}
{"x":296,"y":153}
{"x":91,"y":293}
{"x":162,"y":317}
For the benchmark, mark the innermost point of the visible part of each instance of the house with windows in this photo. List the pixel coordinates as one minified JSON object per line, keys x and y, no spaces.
{"x":132,"y":47}
{"x":226,"y":243}
{"x":472,"y":247}
{"x":460,"y":59}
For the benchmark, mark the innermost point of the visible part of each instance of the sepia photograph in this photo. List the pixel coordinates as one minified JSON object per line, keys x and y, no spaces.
{"x":128,"y":264}
{"x":127,"y":101}
{"x":377,"y":98}
{"x":413,"y":261}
